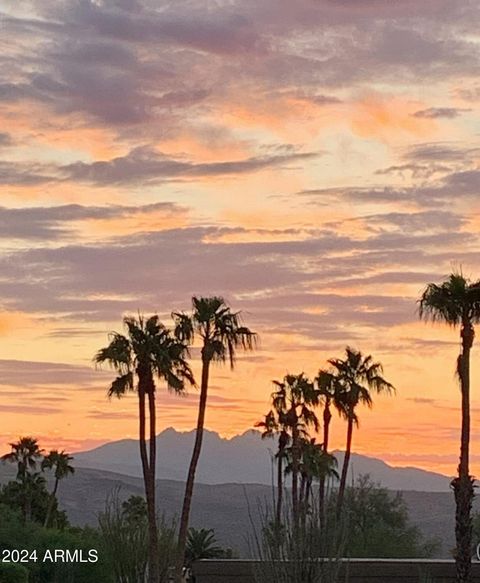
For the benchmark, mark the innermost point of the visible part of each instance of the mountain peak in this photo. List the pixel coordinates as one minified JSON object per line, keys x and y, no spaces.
{"x":244,"y":458}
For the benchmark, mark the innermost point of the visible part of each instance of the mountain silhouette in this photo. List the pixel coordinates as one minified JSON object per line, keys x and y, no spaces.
{"x":244,"y":459}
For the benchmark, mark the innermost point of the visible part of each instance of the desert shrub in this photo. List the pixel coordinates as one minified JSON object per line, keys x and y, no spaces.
{"x":124,"y":530}
{"x":298,"y":551}
{"x":379,"y":526}
{"x":12,"y":495}
{"x":14,"y":534}
{"x":12,"y":573}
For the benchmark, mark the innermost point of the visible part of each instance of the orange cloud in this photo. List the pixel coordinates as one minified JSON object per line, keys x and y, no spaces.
{"x":12,"y":322}
{"x":386,"y":117}
{"x":140,"y":222}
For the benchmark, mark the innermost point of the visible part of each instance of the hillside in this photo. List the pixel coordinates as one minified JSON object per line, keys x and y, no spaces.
{"x":226,"y":507}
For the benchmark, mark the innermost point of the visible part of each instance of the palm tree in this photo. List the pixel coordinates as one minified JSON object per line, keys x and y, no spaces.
{"x":221,"y":333}
{"x":274,"y":424}
{"x":146,"y":351}
{"x":202,"y":544}
{"x":316,"y":464}
{"x":456,"y":302}
{"x":26,"y":453}
{"x":356,"y":376}
{"x":330,"y":394}
{"x":59,"y":461}
{"x":294,"y":398}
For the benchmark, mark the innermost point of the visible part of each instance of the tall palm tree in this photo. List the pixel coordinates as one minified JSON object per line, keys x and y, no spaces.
{"x":221,"y":334}
{"x":147,"y":350}
{"x":356,"y":376}
{"x":274,"y":424}
{"x":456,"y":302}
{"x":295,"y":398}
{"x":26,"y":453}
{"x":330,"y":393}
{"x":59,"y":461}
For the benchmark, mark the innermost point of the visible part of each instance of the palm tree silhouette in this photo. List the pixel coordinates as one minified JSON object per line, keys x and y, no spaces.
{"x":274,"y":424}
{"x":356,"y":377}
{"x":456,"y":302}
{"x":316,"y":464}
{"x":148,"y":350}
{"x":59,"y":461}
{"x":294,"y":398}
{"x":26,"y":453}
{"x":221,"y":333}
{"x":330,"y":394}
{"x":202,"y":544}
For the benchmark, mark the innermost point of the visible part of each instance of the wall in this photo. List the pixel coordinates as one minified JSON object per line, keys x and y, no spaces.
{"x":359,"y":571}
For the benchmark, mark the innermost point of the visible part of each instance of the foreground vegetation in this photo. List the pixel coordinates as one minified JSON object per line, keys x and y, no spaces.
{"x":374,"y":523}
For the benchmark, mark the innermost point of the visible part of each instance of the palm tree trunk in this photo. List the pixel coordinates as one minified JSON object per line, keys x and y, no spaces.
{"x":308,"y":489}
{"x":153,"y":559}
{"x":295,"y":460}
{"x":346,"y":461}
{"x":152,"y":479}
{"x":301,"y":503}
{"x":327,"y":416}
{"x":279,"y":486}
{"x":463,"y":484}
{"x":187,"y":500}
{"x":50,"y":503}
{"x":303,"y":483}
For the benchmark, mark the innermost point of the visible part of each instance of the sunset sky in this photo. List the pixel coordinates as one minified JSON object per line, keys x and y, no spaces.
{"x":315,"y":162}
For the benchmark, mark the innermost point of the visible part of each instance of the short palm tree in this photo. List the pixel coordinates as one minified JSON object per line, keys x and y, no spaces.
{"x":356,"y":377}
{"x":274,"y":425}
{"x":456,"y":302}
{"x":26,"y":453}
{"x":201,"y":544}
{"x":59,"y":462}
{"x":147,"y":350}
{"x":294,"y":398}
{"x":221,"y":334}
{"x":316,"y":464}
{"x":330,"y":394}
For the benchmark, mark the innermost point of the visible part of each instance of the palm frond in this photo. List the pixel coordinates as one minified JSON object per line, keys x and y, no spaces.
{"x":121,"y":385}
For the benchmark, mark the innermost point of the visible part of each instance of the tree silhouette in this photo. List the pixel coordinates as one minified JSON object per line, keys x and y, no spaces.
{"x":294,"y":399}
{"x":59,"y":462}
{"x":146,"y":351}
{"x":330,"y":394}
{"x":356,"y":377}
{"x":274,"y":425}
{"x":456,"y":302}
{"x":26,"y":453}
{"x":221,"y":334}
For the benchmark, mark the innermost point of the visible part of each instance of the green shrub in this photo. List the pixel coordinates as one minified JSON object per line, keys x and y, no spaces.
{"x":12,"y":573}
{"x":16,"y":535}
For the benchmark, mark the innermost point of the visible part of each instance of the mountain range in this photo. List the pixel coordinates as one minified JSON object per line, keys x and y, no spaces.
{"x":234,"y":479}
{"x":243,"y":459}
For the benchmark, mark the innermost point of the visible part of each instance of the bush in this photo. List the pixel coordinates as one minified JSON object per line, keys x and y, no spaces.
{"x":379,"y":525}
{"x":124,"y":532}
{"x":12,"y":573}
{"x":16,"y":535}
{"x":298,"y":552}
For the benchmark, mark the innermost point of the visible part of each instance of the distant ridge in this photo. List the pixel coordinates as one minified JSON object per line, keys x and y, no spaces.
{"x":220,"y":506}
{"x":244,"y":459}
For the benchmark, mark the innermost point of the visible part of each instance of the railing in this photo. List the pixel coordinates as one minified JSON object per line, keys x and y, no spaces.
{"x":353,"y":571}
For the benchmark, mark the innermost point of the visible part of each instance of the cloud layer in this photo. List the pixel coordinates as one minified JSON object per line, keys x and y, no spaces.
{"x":316,"y":163}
